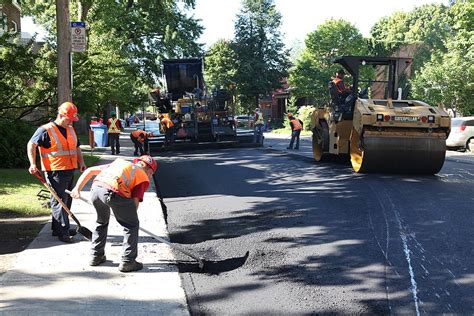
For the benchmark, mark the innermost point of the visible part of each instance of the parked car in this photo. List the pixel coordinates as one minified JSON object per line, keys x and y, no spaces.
{"x":462,"y":131}
{"x":245,"y":121}
{"x":151,"y":126}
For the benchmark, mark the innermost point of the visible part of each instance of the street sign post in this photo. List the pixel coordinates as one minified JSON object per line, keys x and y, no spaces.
{"x":78,"y":37}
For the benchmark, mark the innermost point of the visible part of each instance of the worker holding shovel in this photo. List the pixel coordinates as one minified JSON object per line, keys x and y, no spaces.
{"x":119,"y":186}
{"x":60,"y":155}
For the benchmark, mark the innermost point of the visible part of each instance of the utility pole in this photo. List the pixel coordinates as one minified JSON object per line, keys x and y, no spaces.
{"x":64,"y":51}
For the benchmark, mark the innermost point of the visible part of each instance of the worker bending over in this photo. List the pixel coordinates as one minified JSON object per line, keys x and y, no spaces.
{"x":119,"y":186}
{"x":140,"y":140}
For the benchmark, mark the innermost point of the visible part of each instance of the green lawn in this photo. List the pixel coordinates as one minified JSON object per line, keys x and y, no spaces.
{"x":18,"y":191}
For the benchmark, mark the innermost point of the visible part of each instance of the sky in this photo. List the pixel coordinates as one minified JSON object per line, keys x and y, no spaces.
{"x":299,"y":17}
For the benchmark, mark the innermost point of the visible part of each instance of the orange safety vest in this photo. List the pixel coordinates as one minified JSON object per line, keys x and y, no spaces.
{"x":167,"y":122}
{"x":62,"y":155}
{"x":113,"y":129}
{"x":122,"y":176}
{"x":337,"y":83}
{"x":136,"y":134}
{"x":296,"y":124}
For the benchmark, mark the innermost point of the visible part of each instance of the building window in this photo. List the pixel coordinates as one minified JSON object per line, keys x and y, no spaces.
{"x":3,"y":22}
{"x":14,"y":28}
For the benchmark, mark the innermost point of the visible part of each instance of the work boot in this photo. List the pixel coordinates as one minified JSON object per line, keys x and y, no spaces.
{"x":135,"y":154}
{"x":66,"y":238}
{"x":130,"y":266}
{"x":95,"y":261}
{"x":72,"y":232}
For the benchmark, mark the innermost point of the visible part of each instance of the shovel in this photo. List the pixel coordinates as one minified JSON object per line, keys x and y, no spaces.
{"x":84,"y":231}
{"x":164,"y":208}
{"x":199,"y":260}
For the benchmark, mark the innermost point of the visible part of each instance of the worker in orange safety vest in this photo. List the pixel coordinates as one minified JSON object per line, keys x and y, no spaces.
{"x":296,"y":127}
{"x":140,"y":140}
{"x":168,"y":127}
{"x":120,"y":186}
{"x":60,"y":155}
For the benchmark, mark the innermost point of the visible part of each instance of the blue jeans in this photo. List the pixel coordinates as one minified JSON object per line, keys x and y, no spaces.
{"x":258,"y":133}
{"x":295,"y":135}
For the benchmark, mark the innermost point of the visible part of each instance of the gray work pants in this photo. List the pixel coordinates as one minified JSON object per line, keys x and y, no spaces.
{"x":126,"y":215}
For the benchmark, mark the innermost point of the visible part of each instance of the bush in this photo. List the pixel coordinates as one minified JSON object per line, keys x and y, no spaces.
{"x":15,"y":137}
{"x":304,"y":114}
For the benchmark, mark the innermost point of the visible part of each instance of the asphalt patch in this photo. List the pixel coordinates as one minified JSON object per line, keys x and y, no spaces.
{"x":213,"y":267}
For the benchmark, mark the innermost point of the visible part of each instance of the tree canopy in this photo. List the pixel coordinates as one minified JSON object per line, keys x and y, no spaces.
{"x":126,"y":42}
{"x":313,"y":70}
{"x":261,"y":57}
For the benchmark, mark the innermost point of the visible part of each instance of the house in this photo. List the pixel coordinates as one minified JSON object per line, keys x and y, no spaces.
{"x":10,"y":17}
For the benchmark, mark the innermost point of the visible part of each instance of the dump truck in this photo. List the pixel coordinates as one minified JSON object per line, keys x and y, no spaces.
{"x":378,"y":127}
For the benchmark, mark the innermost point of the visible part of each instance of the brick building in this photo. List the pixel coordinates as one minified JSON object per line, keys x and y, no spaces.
{"x":10,"y":17}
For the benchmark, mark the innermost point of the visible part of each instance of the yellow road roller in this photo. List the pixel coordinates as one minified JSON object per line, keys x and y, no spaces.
{"x":378,"y":127}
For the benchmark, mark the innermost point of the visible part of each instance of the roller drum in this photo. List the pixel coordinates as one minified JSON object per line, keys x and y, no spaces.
{"x":409,"y":155}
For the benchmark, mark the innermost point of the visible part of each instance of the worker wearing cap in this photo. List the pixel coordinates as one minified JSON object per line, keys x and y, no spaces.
{"x":114,"y":127}
{"x":60,"y":155}
{"x":140,"y":140}
{"x":296,"y":127}
{"x":119,"y":186}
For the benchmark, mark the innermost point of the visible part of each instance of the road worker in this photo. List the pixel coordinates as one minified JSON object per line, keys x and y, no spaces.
{"x":140,"y":140}
{"x":296,"y":127}
{"x":258,"y":125}
{"x":168,"y":128}
{"x":119,"y":186}
{"x":60,"y":155}
{"x":341,"y":88}
{"x":114,"y":126}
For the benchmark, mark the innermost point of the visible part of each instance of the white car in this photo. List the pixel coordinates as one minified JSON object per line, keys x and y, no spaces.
{"x":462,"y":131}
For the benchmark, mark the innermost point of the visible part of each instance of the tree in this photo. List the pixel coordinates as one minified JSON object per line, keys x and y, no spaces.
{"x":427,"y":26}
{"x":310,"y":75}
{"x":220,"y":65}
{"x":262,"y":59}
{"x":448,"y":78}
{"x":126,"y":42}
{"x":27,"y":80}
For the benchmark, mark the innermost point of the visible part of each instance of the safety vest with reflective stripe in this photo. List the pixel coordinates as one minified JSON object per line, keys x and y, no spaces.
{"x":296,"y":124}
{"x":122,"y":176}
{"x":339,"y":85}
{"x":259,"y":118}
{"x":62,"y":155}
{"x":113,"y":129}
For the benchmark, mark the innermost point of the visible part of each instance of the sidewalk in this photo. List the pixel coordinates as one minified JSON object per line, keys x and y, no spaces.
{"x":54,"y":278}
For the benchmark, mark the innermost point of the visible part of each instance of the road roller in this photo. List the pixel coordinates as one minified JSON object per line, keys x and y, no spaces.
{"x":376,"y":126}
